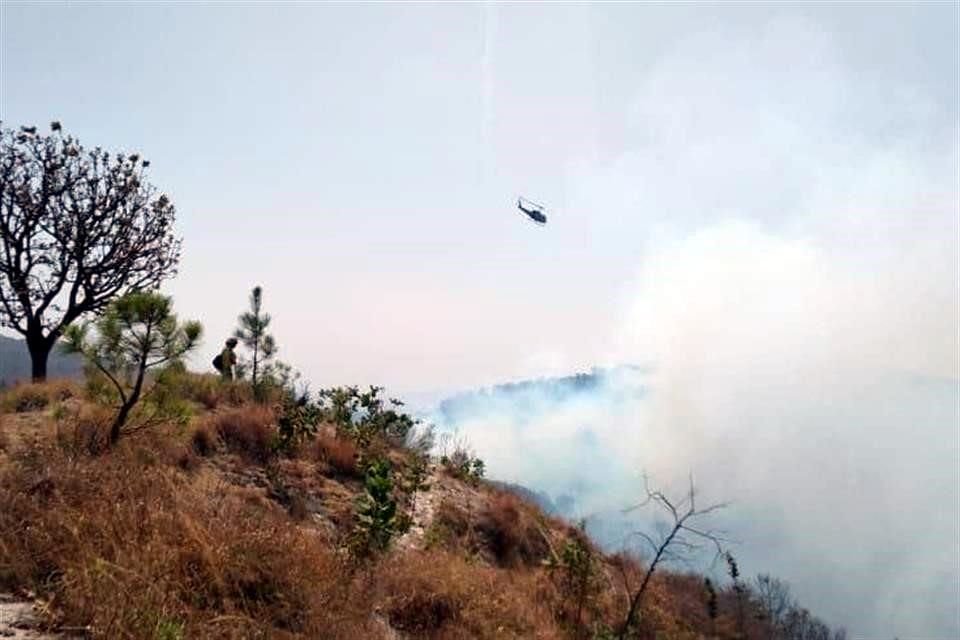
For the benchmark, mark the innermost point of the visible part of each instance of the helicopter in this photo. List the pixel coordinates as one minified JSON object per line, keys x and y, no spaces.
{"x":533,"y":210}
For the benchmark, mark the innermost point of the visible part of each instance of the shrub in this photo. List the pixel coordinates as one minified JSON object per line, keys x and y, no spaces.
{"x":25,"y":398}
{"x":459,"y":461}
{"x":248,"y":431}
{"x":577,"y":575}
{"x":378,"y":519}
{"x":297,"y":421}
{"x":365,"y":415}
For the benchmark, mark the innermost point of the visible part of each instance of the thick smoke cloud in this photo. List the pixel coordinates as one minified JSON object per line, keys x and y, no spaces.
{"x":796,"y":303}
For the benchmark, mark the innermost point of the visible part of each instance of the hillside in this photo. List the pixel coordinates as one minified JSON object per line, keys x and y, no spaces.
{"x":203,"y":527}
{"x":15,"y":362}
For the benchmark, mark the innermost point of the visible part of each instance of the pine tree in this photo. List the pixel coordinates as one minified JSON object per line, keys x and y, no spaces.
{"x":137,"y":332}
{"x":253,"y":334}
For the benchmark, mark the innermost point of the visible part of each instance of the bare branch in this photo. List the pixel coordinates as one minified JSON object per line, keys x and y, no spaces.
{"x":77,"y":229}
{"x":675,"y":544}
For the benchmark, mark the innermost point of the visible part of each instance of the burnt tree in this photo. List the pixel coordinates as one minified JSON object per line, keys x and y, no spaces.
{"x":78,"y":228}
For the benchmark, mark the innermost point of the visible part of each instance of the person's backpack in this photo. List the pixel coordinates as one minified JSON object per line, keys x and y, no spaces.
{"x":218,"y":362}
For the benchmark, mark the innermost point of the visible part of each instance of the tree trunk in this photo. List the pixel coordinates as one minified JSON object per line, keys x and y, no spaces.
{"x":39,"y":348}
{"x":134,"y":397}
{"x":118,"y":422}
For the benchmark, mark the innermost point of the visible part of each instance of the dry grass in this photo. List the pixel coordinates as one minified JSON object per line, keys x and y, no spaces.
{"x":86,"y":431}
{"x":128,"y":548}
{"x":204,"y":440}
{"x":211,"y":392}
{"x":445,"y":596}
{"x":513,"y":530}
{"x":36,"y":395}
{"x":206,"y":389}
{"x":248,"y":431}
{"x":339,"y":454}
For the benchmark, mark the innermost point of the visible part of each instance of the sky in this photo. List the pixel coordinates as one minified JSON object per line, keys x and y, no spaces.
{"x":758,"y":201}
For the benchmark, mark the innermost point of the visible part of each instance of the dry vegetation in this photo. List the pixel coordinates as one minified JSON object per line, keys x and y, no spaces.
{"x":35,"y":396}
{"x":207,"y":531}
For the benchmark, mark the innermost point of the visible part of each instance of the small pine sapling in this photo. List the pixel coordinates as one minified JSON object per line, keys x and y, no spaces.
{"x":136,"y":333}
{"x":252,"y":332}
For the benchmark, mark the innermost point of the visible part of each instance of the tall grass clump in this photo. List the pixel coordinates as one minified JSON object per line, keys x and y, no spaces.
{"x":34,"y":396}
{"x":249,"y":431}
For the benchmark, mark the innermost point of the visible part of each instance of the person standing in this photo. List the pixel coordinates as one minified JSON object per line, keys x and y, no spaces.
{"x":228,"y":360}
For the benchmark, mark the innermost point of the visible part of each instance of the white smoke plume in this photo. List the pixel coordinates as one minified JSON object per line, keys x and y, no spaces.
{"x":796,"y":309}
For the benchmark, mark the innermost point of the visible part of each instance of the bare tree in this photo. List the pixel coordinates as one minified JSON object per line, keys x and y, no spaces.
{"x":681,"y":540}
{"x":78,"y":228}
{"x":774,"y":599}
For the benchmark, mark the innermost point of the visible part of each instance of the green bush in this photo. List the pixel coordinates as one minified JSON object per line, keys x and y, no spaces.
{"x":577,"y":573}
{"x":365,"y":415}
{"x":378,"y":518}
{"x":298,"y":421}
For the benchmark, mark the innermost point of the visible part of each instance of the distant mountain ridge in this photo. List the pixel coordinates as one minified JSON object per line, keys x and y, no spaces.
{"x":556,"y":390}
{"x":15,"y":362}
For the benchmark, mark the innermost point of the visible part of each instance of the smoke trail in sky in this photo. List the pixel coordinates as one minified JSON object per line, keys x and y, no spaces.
{"x":487,"y":63}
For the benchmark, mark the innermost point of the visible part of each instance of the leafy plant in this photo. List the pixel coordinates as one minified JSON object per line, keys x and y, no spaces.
{"x":365,"y":415}
{"x":297,"y":421}
{"x":378,"y":519}
{"x":576,"y":572}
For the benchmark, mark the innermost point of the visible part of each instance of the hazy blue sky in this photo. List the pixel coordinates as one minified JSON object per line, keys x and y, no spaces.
{"x":759,"y":200}
{"x":361,"y":162}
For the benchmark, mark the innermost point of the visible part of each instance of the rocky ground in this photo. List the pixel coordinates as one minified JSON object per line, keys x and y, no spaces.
{"x":18,"y":620}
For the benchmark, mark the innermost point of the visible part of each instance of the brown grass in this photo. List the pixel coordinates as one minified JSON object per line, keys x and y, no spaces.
{"x":340,"y":454}
{"x":204,"y":440}
{"x":36,"y":395}
{"x":444,"y":596}
{"x":128,"y":548}
{"x":513,"y":530}
{"x":211,"y":392}
{"x":207,"y":389}
{"x":86,"y":431}
{"x":248,"y":431}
